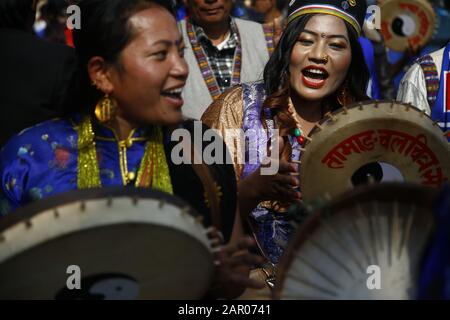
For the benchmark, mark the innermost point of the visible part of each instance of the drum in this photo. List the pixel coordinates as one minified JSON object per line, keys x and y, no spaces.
{"x":366,"y":244}
{"x":376,"y":140}
{"x":407,"y":23}
{"x":114,"y":243}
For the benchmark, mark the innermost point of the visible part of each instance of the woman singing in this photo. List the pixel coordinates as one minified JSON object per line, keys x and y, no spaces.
{"x":317,"y":67}
{"x":132,"y":75}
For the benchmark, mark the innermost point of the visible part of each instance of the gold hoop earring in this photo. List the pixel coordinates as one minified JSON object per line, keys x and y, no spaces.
{"x":106,"y":109}
{"x":345,"y":97}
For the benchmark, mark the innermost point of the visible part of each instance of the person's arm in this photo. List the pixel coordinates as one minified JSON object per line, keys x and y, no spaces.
{"x":382,"y":67}
{"x":409,"y":53}
{"x":232,"y":274}
{"x":258,"y":187}
{"x":413,"y":89}
{"x":234,"y":260}
{"x":225,"y":115}
{"x":14,"y":170}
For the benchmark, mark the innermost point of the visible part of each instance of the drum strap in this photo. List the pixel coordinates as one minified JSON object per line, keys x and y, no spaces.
{"x":209,"y":185}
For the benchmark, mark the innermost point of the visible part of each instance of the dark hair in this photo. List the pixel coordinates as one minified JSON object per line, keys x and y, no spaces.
{"x":53,"y":12}
{"x":17,"y":14}
{"x":281,"y":4}
{"x":54,"y":8}
{"x":277,"y":84}
{"x":105,"y":31}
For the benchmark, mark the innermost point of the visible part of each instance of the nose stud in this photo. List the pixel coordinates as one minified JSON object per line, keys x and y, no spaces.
{"x":325,"y":58}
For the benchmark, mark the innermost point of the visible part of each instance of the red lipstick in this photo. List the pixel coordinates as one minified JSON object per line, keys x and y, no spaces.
{"x":314,"y":77}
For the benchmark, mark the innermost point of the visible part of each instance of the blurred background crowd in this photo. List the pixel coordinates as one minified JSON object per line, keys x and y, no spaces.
{"x":51,"y":25}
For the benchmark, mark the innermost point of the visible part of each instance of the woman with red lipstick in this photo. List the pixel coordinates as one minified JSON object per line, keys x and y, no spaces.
{"x":317,"y":67}
{"x":132,"y":75}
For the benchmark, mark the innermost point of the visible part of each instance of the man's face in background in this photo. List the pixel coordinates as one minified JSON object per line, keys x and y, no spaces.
{"x":210,"y":12}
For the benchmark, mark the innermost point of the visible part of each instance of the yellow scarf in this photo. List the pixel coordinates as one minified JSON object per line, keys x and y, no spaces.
{"x":153,"y":170}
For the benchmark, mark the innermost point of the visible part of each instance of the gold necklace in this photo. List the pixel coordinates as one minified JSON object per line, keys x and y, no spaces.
{"x":153,"y":170}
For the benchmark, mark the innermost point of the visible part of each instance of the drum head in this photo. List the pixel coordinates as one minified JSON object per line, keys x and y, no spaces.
{"x":405,"y":23}
{"x":120,"y":243}
{"x":373,"y":138}
{"x":367,"y":244}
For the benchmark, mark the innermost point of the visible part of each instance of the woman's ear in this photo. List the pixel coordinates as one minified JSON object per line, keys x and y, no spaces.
{"x":99,"y":73}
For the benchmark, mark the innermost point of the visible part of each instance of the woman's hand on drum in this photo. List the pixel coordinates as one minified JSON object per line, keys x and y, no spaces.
{"x":282,"y":186}
{"x":233,"y":263}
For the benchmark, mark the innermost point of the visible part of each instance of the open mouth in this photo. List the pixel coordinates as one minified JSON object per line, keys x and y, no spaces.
{"x":314,"y":77}
{"x":174,"y":96}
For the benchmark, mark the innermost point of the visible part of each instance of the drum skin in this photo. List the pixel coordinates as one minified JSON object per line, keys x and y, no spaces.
{"x":333,"y":255}
{"x":407,"y":23}
{"x":127,"y":244}
{"x":373,"y":132}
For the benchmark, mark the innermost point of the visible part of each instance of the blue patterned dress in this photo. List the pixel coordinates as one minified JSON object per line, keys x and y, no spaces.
{"x":42,"y":161}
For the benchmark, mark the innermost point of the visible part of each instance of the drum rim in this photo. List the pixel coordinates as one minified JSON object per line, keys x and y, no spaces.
{"x":185,"y":235}
{"x":387,"y":191}
{"x":359,"y":104}
{"x":27,"y":212}
{"x":323,"y":124}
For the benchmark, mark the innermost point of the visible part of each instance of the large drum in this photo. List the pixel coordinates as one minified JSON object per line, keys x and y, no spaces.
{"x":383,"y":141}
{"x":406,"y":23}
{"x":366,"y":244}
{"x":105,"y":244}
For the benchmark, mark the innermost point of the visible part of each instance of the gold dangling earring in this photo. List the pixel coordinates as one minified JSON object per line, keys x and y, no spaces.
{"x":344,"y":97}
{"x":105,"y":110}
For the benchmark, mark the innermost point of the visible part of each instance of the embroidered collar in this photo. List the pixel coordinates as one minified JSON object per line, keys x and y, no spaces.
{"x":105,"y":132}
{"x":153,"y":170}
